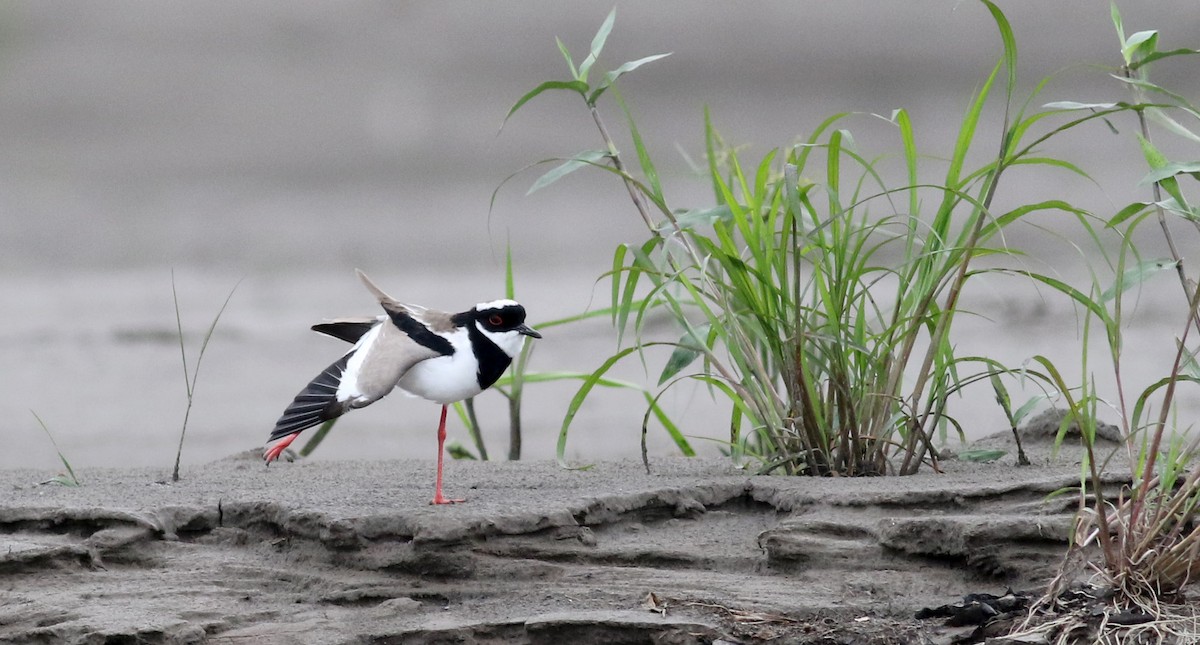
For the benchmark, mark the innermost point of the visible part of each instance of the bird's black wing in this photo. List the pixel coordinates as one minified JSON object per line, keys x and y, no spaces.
{"x":315,"y":404}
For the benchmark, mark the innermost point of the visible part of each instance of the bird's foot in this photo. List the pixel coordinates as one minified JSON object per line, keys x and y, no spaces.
{"x":274,"y":450}
{"x":439,"y":499}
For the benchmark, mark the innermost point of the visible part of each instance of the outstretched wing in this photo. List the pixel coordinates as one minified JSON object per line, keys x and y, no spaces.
{"x":315,"y":404}
{"x":381,"y":356}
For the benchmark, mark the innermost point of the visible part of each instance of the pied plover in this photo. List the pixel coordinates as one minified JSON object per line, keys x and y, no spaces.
{"x":435,"y":355}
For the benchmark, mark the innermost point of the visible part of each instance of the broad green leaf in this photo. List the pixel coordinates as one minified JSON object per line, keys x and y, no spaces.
{"x":687,"y":350}
{"x":1150,"y":58}
{"x":1158,"y":161}
{"x":1143,"y":43}
{"x":1181,"y":101}
{"x":612,"y":76}
{"x":597,"y":45}
{"x":585,"y":158}
{"x":981,"y":456}
{"x":1129,"y":211}
{"x":1073,"y":105}
{"x":1170,"y":170}
{"x":1170,"y":204}
{"x":1190,"y":366}
{"x":460,"y":452}
{"x":1163,"y":119}
{"x":579,"y":87}
{"x":695,"y":217}
{"x":1136,"y":275}
{"x":1002,"y":397}
{"x":1026,"y":409}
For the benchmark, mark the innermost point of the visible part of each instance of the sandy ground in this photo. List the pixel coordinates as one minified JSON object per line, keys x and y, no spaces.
{"x":350,"y":552}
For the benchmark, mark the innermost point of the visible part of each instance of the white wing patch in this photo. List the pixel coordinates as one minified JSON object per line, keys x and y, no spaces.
{"x":348,"y":389}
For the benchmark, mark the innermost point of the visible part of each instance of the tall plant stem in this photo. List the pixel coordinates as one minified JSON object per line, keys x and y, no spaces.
{"x":1194,"y":318}
{"x":190,"y":384}
{"x":639,"y":201}
{"x":913,"y":456}
{"x":1168,"y":398}
{"x":473,"y":428}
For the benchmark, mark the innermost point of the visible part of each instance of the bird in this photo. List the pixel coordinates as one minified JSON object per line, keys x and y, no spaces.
{"x":438,"y":356}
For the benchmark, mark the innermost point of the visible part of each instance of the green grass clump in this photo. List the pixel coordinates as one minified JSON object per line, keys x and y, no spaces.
{"x":1140,"y":546}
{"x":834,"y":359}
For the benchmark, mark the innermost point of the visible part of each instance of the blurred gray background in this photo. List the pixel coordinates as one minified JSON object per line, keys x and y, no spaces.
{"x":284,"y":144}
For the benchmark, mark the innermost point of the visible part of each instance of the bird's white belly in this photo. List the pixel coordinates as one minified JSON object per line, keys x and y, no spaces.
{"x":445,"y":379}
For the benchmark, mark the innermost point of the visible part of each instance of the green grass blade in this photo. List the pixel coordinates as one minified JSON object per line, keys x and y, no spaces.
{"x":317,"y":438}
{"x":212,"y":327}
{"x":1078,"y":296}
{"x":686,"y":352}
{"x":191,"y":387}
{"x":1118,"y":24}
{"x":653,"y":408}
{"x":1150,"y":58}
{"x":510,"y":289}
{"x":585,"y":158}
{"x":1002,"y":396}
{"x":1010,"y":43}
{"x":612,"y":76}
{"x":187,"y":381}
{"x":566,"y":375}
{"x":581,"y":396}
{"x":579,"y":87}
{"x":1136,"y":275}
{"x":1171,"y":169}
{"x":643,"y":155}
{"x":710,"y":151}
{"x":908,"y":139}
{"x":566,"y":54}
{"x":597,"y":45}
{"x":74,"y":480}
{"x":1158,"y":162}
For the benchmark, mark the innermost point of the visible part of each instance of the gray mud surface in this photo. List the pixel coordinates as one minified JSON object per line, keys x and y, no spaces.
{"x":351,"y":552}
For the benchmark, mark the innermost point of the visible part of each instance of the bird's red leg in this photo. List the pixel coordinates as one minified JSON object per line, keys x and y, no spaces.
{"x":274,"y":450}
{"x":438,"y":498}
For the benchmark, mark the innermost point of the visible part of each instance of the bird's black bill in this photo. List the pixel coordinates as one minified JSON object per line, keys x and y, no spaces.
{"x":528,"y":332}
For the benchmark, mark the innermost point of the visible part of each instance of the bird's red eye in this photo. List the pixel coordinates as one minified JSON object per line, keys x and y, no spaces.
{"x":495,"y":320}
